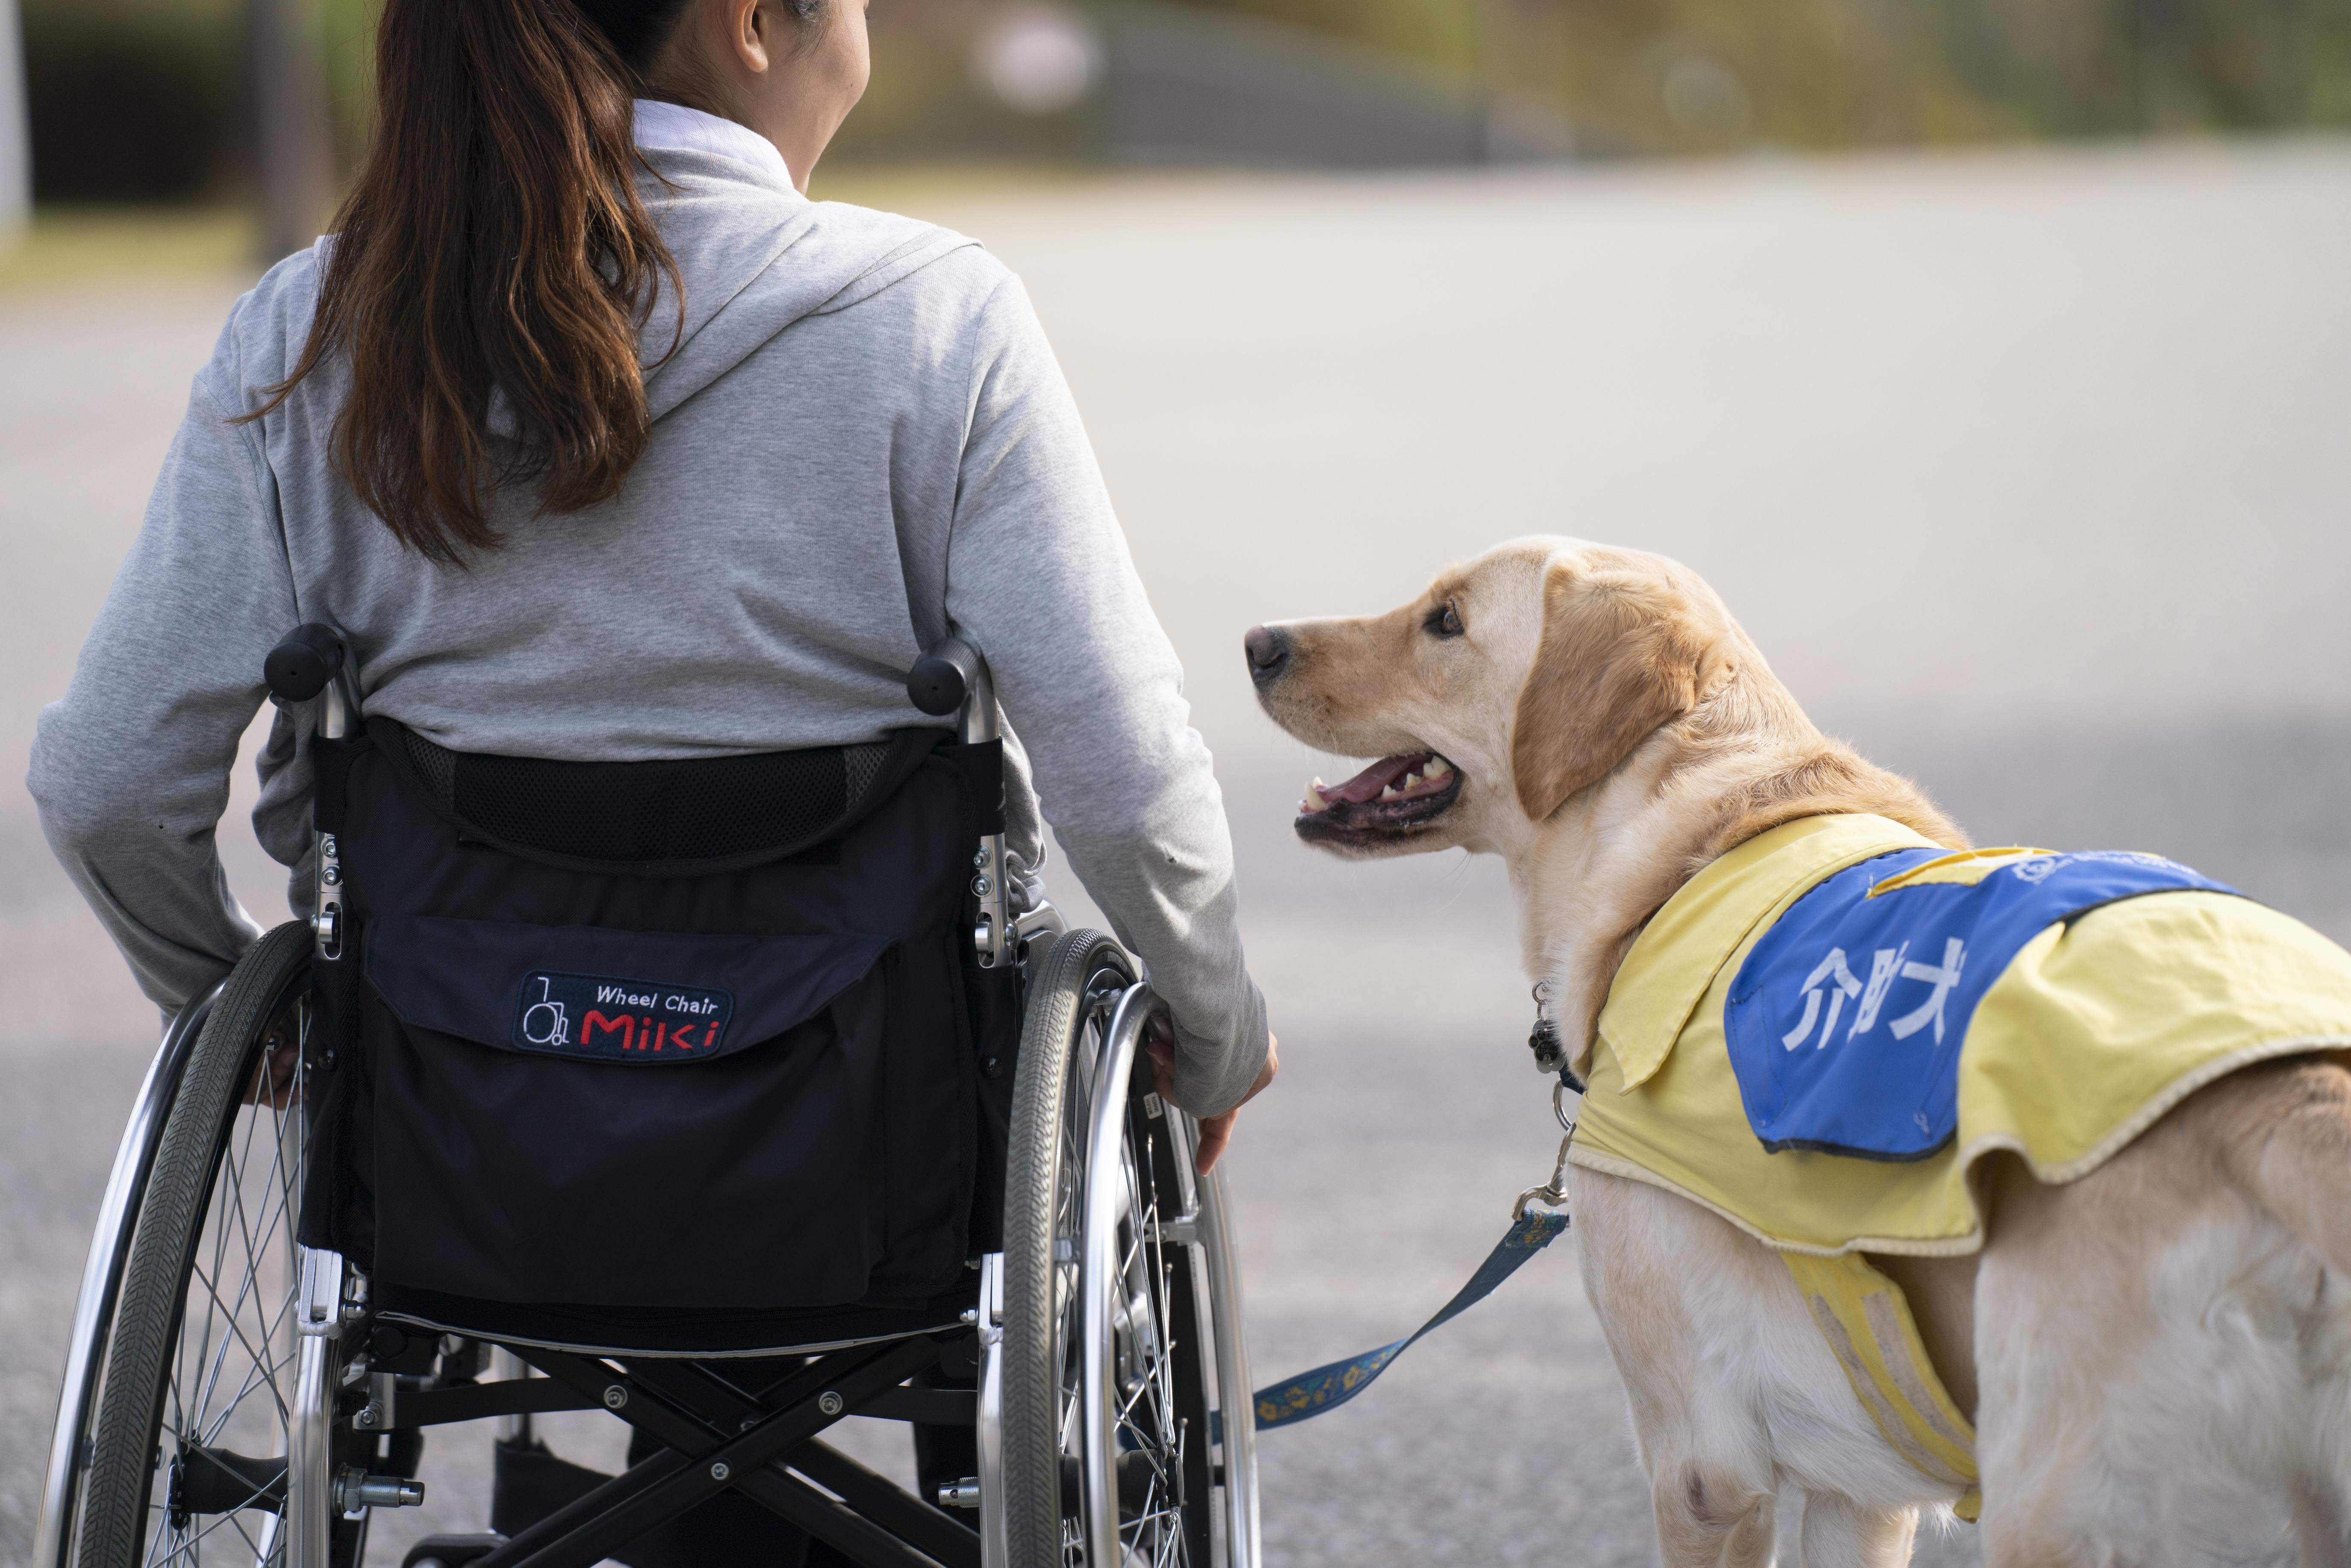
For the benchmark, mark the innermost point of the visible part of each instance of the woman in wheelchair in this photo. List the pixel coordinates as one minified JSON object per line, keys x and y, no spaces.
{"x":677,"y":1025}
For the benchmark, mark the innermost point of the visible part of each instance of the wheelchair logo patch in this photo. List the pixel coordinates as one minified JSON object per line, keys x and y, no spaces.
{"x":611,"y":1019}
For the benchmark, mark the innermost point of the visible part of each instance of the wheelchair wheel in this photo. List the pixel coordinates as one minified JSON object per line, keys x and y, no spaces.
{"x":1111,"y":1343}
{"x":196,"y":1405}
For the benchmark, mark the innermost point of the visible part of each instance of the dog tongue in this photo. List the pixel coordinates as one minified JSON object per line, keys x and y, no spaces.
{"x":1367,"y":785}
{"x":1371,"y":782}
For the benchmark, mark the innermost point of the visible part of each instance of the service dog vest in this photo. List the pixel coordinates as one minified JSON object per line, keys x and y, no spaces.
{"x":2086,"y":997}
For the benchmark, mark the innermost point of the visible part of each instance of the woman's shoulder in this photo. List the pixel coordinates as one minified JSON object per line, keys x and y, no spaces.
{"x":266,"y":328}
{"x":900,"y":253}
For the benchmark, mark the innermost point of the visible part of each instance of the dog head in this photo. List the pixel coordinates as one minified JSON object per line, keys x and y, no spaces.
{"x":1516,"y":682}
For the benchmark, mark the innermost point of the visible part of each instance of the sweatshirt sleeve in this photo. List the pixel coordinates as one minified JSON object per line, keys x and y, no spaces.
{"x":1039,"y":576}
{"x":131,"y":769}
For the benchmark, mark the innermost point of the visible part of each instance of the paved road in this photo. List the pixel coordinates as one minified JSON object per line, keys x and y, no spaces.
{"x":2028,"y":473}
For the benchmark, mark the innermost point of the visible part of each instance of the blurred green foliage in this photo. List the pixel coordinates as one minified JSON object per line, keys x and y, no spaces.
{"x":81,"y":247}
{"x":145,"y":99}
{"x":1448,"y":33}
{"x":1663,"y":75}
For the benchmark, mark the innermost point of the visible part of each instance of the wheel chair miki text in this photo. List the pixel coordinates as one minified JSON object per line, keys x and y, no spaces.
{"x":618,"y":1020}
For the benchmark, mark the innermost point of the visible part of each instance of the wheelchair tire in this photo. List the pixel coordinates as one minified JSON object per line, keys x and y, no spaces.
{"x":1159,"y":1337}
{"x":191,"y":1413}
{"x":1067,"y":1010}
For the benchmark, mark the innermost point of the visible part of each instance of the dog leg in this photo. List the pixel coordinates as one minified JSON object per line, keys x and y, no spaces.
{"x":2157,"y":1354}
{"x":1842,"y":1533}
{"x":1709,"y":1519}
{"x":1712,"y":1477}
{"x":2062,"y":1389}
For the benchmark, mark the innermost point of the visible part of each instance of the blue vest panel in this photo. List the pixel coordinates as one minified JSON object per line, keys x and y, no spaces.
{"x":1845,"y":1022}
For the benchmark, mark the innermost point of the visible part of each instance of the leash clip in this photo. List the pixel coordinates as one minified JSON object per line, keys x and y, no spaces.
{"x":1553,"y":1192}
{"x":1550,"y":1055}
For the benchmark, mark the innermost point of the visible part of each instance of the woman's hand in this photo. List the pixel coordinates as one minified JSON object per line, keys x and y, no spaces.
{"x":1215,"y":1132}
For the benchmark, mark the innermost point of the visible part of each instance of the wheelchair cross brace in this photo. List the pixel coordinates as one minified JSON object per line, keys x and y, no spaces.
{"x":716,"y":1438}
{"x":413,"y":1409}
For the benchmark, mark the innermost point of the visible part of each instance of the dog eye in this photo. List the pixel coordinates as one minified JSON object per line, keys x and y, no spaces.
{"x":1445,"y":620}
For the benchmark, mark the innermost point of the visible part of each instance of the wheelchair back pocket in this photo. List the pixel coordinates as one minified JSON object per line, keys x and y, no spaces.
{"x":645,"y":999}
{"x":616,"y":1118}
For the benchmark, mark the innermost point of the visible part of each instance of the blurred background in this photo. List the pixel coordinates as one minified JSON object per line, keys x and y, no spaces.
{"x":1992,"y":356}
{"x":194,"y":103}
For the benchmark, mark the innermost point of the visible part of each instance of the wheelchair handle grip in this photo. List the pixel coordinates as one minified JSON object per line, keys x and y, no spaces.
{"x":300,"y":668}
{"x":949,"y":671}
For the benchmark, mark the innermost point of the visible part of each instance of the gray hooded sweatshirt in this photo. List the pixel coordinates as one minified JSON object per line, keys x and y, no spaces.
{"x":860,"y":443}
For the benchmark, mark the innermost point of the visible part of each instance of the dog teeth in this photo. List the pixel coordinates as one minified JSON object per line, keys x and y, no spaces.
{"x":1410,"y":781}
{"x":1391,"y":793}
{"x":1313,"y":801}
{"x":1437,"y":769}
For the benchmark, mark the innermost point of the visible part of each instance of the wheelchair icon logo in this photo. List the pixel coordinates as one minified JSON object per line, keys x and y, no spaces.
{"x":545,"y":1015}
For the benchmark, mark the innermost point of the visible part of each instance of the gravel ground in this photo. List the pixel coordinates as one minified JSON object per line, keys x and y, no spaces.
{"x":2028,"y":473}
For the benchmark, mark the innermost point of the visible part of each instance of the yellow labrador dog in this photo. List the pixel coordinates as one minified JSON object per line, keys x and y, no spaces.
{"x":2157,"y":1356}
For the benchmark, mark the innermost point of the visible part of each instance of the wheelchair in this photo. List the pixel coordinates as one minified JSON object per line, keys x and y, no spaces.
{"x":714,"y":1147}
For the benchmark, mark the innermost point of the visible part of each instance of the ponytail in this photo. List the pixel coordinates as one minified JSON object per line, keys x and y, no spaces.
{"x":493,"y":243}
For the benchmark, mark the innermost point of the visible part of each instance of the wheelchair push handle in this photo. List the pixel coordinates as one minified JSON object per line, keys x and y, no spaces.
{"x":316,"y":661}
{"x":951,"y":677}
{"x":300,"y":668}
{"x":949,"y":671}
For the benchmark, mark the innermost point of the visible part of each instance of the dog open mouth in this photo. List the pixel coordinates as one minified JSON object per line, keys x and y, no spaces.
{"x":1394,"y":795}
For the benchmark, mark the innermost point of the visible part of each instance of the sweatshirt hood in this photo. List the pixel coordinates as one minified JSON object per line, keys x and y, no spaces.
{"x":755,"y":256}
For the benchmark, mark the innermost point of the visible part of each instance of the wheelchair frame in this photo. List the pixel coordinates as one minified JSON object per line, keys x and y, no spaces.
{"x":717,"y":1437}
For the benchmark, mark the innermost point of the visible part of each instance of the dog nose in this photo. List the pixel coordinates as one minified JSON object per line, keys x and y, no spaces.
{"x":1268,"y":654}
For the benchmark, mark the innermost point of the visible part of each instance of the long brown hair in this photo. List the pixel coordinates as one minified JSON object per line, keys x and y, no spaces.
{"x":493,"y":247}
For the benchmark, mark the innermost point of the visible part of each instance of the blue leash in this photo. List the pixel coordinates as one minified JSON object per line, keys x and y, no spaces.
{"x":1324,"y":1389}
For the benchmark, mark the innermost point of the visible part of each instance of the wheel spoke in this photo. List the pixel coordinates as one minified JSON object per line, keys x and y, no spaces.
{"x":183,"y":1547}
{"x":258,"y":1357}
{"x":234,"y":1220}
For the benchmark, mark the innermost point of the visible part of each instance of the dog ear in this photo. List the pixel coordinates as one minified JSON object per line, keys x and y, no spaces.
{"x":1622,"y":653}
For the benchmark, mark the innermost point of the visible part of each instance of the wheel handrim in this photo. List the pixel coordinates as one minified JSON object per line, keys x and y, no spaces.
{"x":1068,"y":1238}
{"x":1150,"y":1428}
{"x":1126,"y":1355}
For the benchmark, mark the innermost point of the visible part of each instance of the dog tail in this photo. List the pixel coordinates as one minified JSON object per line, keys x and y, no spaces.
{"x":2290,"y":1147}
